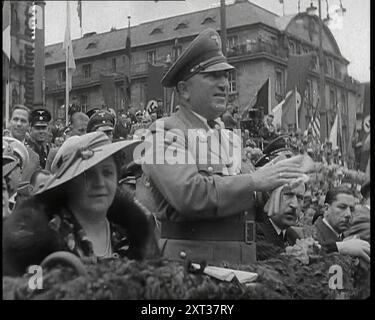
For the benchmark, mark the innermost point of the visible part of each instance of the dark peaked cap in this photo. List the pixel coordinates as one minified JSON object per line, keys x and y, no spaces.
{"x":204,"y":54}
{"x":40,"y":117}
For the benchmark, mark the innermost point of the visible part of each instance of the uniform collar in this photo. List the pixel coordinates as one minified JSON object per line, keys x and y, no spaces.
{"x":204,"y":120}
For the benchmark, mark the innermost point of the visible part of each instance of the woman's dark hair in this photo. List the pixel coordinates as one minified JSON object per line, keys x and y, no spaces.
{"x":56,"y":197}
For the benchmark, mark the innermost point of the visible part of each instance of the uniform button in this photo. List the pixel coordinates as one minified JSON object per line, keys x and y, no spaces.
{"x":210,"y":169}
{"x":246,"y":213}
{"x":183,"y":254}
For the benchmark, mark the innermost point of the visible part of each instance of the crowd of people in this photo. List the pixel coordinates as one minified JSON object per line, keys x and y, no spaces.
{"x":79,"y":189}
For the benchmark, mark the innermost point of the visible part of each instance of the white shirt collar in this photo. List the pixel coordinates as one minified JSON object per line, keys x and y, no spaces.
{"x":329,"y":226}
{"x":278,"y":230}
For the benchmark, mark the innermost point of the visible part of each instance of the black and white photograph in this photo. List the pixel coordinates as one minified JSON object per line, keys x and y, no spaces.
{"x":169,"y":152}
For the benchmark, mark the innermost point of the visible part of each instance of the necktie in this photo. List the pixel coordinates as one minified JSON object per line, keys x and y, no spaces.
{"x":281,"y":235}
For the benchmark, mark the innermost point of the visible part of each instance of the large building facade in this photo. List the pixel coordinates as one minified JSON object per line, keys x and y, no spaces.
{"x":21,"y":64}
{"x":258,"y":45}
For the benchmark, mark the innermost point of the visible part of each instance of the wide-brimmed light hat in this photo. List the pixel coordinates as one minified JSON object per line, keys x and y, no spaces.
{"x":13,"y":148}
{"x":80,"y":153}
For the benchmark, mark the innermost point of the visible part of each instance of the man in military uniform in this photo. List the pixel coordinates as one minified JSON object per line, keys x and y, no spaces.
{"x":102,"y":121}
{"x":38,"y":140}
{"x":205,"y":208}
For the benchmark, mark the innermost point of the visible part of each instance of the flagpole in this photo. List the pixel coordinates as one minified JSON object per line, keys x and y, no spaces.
{"x":66,"y":70}
{"x":172,"y":102}
{"x":269,"y":96}
{"x":129,"y":66}
{"x":295,"y":103}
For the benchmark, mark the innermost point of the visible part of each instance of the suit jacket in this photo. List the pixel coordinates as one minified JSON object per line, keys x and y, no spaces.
{"x":268,"y":242}
{"x":361,"y":224}
{"x":193,"y":192}
{"x":324,"y":235}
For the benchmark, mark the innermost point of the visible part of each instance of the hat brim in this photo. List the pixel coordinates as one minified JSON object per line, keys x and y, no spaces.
{"x":40,"y":124}
{"x":105,"y":128}
{"x":222,"y":66}
{"x":81,"y":165}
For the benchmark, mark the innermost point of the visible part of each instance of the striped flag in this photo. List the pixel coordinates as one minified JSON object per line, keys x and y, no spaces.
{"x":314,"y":124}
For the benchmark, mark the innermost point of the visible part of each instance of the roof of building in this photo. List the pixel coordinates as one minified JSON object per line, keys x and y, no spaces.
{"x":238,"y":14}
{"x":168,"y":29}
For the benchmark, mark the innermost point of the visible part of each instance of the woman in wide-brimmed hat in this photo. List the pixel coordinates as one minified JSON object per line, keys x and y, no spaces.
{"x":81,"y":209}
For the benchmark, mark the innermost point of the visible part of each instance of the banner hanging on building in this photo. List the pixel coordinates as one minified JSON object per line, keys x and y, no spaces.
{"x":107,"y":82}
{"x":154,"y":88}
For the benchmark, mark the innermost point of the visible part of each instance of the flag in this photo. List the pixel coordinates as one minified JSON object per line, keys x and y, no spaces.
{"x":297,"y":70}
{"x":6,"y":29}
{"x":277,"y":113}
{"x":107,"y":82}
{"x":68,"y":47}
{"x":333,"y":134}
{"x":128,"y":43}
{"x":263,"y":97}
{"x":314,"y":124}
{"x":290,"y":107}
{"x":154,"y":87}
{"x":79,"y":11}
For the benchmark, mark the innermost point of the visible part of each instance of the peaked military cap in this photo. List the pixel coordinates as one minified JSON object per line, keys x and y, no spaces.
{"x":278,"y":146}
{"x":280,"y":143}
{"x":204,"y":54}
{"x":40,"y":117}
{"x":101,"y":121}
{"x":92,"y":111}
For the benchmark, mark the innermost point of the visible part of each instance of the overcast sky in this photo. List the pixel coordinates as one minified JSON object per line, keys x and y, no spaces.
{"x":353,"y":38}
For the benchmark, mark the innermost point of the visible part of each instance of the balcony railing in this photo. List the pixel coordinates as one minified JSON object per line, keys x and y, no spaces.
{"x":260,"y":46}
{"x":80,"y":79}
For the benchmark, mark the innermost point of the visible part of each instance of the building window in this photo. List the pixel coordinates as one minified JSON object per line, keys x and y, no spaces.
{"x":151,"y":56}
{"x":330,"y":67}
{"x":182,"y":25}
{"x":156,"y":31}
{"x":60,"y":108}
{"x":315,"y":63}
{"x":114,"y":64}
{"x":176,"y":52}
{"x":208,"y":20}
{"x":309,"y":92}
{"x":86,"y":68}
{"x":344,"y":108}
{"x":279,"y":84}
{"x":332,"y":99}
{"x":232,"y":79}
{"x":232,"y":42}
{"x":84,"y":102}
{"x":62,"y":76}
{"x":292,"y":47}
